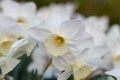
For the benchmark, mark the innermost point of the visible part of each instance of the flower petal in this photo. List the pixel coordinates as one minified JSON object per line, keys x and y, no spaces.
{"x":63,"y":62}
{"x":85,"y":41}
{"x":8,"y":65}
{"x":65,"y":75}
{"x":72,"y":29}
{"x":10,"y":8}
{"x":27,"y":9}
{"x":39,"y":34}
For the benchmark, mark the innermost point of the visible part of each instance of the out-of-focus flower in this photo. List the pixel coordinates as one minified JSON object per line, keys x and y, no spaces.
{"x":23,"y":14}
{"x":113,"y":41}
{"x":9,"y":43}
{"x":11,"y":27}
{"x":96,"y":26}
{"x":44,"y":13}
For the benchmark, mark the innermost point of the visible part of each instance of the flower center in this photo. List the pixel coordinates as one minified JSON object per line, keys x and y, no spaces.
{"x":55,"y":45}
{"x":59,"y":41}
{"x":7,"y":44}
{"x":20,"y":20}
{"x":6,"y":41}
{"x":117,"y":58}
{"x":81,"y":70}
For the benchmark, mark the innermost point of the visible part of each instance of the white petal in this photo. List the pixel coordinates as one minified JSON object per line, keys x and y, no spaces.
{"x":13,"y":30}
{"x":39,"y":56}
{"x":65,"y":75}
{"x":39,"y":34}
{"x":56,"y":17}
{"x":85,"y":41}
{"x":9,"y":65}
{"x":98,"y":54}
{"x":22,"y":47}
{"x":72,"y":29}
{"x":63,"y":62}
{"x":5,"y":20}
{"x":27,"y":9}
{"x":10,"y":8}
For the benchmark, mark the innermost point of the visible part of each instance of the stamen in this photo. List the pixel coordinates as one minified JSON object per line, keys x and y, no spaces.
{"x":117,"y":58}
{"x":20,"y":20}
{"x":59,"y":41}
{"x":7,"y":44}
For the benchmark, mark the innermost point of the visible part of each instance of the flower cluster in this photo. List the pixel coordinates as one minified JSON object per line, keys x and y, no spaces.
{"x":61,"y":42}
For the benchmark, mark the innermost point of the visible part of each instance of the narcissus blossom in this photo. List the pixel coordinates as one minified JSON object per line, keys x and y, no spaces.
{"x":23,"y":14}
{"x":60,"y":39}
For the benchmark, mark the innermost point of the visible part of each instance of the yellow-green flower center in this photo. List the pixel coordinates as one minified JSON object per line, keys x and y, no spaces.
{"x":81,"y":70}
{"x":56,"y":45}
{"x":59,"y":41}
{"x":7,"y":44}
{"x":6,"y":41}
{"x":117,"y":58}
{"x":20,"y":20}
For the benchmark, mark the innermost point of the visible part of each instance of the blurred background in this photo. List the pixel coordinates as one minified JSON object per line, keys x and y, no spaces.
{"x":111,"y":8}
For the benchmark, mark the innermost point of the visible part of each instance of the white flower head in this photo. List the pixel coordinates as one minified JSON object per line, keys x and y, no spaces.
{"x":22,"y":13}
{"x":12,"y":45}
{"x":8,"y":43}
{"x":64,"y":37}
{"x":10,"y":30}
{"x":96,"y":26}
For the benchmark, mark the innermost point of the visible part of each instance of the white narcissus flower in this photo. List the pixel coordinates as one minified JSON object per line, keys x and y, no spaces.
{"x":97,"y":26}
{"x":64,"y":40}
{"x":81,"y":65}
{"x":23,"y":14}
{"x":12,"y":42}
{"x":27,"y":43}
{"x":8,"y":43}
{"x":68,"y":36}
